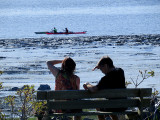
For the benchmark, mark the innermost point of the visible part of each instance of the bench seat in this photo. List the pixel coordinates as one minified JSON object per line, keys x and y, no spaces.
{"x":111,"y":98}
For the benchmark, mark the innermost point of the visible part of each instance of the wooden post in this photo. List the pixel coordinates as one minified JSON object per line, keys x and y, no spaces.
{"x":46,"y":116}
{"x":141,"y":104}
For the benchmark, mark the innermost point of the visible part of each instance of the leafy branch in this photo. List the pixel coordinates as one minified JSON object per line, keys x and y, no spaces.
{"x":11,"y":100}
{"x":2,"y":116}
{"x":27,"y":104}
{"x":144,"y":75}
{"x":1,"y":82}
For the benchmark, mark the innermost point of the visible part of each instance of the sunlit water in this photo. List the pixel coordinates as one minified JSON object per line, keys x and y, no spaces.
{"x":27,"y":65}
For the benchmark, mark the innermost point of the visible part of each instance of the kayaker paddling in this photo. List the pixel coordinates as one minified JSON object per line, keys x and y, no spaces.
{"x":55,"y":30}
{"x":66,"y":29}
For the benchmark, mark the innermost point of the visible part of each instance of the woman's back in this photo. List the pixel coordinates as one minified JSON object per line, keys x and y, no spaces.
{"x":66,"y":82}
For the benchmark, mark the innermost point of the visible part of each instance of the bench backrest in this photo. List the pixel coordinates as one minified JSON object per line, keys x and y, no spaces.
{"x":81,"y":99}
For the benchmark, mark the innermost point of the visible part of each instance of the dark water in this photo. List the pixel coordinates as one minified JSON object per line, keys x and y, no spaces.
{"x":21,"y":18}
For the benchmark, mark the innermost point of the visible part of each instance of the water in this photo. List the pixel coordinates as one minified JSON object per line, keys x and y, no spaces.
{"x":25,"y":64}
{"x":20,"y":18}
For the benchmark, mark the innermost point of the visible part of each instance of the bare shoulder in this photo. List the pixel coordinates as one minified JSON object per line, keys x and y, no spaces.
{"x":76,"y":77}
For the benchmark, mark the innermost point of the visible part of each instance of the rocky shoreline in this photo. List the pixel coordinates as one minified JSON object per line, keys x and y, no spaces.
{"x":150,"y":39}
{"x":25,"y":66}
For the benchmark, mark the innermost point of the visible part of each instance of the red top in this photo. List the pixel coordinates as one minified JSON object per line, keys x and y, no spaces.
{"x":63,"y":82}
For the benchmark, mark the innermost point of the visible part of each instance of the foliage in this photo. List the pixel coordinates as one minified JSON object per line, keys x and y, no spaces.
{"x":24,"y":96}
{"x":155,"y":92}
{"x":2,"y":116}
{"x":27,"y":105}
{"x":1,"y":82}
{"x":11,"y":100}
{"x":144,"y":75}
{"x":1,"y":85}
{"x":154,"y":110}
{"x":127,"y":83}
{"x":39,"y":106}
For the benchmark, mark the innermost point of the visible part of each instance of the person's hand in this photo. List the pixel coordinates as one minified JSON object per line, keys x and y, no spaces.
{"x":85,"y":86}
{"x":95,"y":68}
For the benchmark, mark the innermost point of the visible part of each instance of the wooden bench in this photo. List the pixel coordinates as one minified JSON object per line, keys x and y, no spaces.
{"x":83,"y":99}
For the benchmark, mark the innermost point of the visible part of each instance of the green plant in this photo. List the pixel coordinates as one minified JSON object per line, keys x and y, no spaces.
{"x":39,"y":106}
{"x":1,"y":82}
{"x":25,"y":96}
{"x":11,"y":100}
{"x":2,"y":116}
{"x":27,"y":105}
{"x":127,"y":83}
{"x":155,"y":93}
{"x":153,"y":114}
{"x":144,"y":75}
{"x":1,"y":85}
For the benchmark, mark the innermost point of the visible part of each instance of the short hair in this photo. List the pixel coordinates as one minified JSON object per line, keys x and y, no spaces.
{"x":105,"y":60}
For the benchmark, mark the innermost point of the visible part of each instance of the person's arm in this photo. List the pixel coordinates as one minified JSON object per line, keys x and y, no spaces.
{"x":52,"y":68}
{"x":78,"y":82}
{"x":91,"y":88}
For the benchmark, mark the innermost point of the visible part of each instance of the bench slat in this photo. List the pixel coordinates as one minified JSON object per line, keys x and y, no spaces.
{"x":87,"y":104}
{"x":92,"y":113}
{"x":79,"y":94}
{"x":89,"y":113}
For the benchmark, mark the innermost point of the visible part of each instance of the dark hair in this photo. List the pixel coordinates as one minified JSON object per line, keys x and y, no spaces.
{"x":105,"y":60}
{"x":68,"y":65}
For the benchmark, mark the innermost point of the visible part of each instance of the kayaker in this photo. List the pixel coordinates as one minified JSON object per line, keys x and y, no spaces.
{"x":55,"y":30}
{"x":66,"y":30}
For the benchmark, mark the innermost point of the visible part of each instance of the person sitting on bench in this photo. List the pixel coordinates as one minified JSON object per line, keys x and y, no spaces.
{"x":65,"y":77}
{"x":114,"y":78}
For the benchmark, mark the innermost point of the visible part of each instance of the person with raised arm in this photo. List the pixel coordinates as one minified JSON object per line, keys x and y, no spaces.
{"x":65,"y":79}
